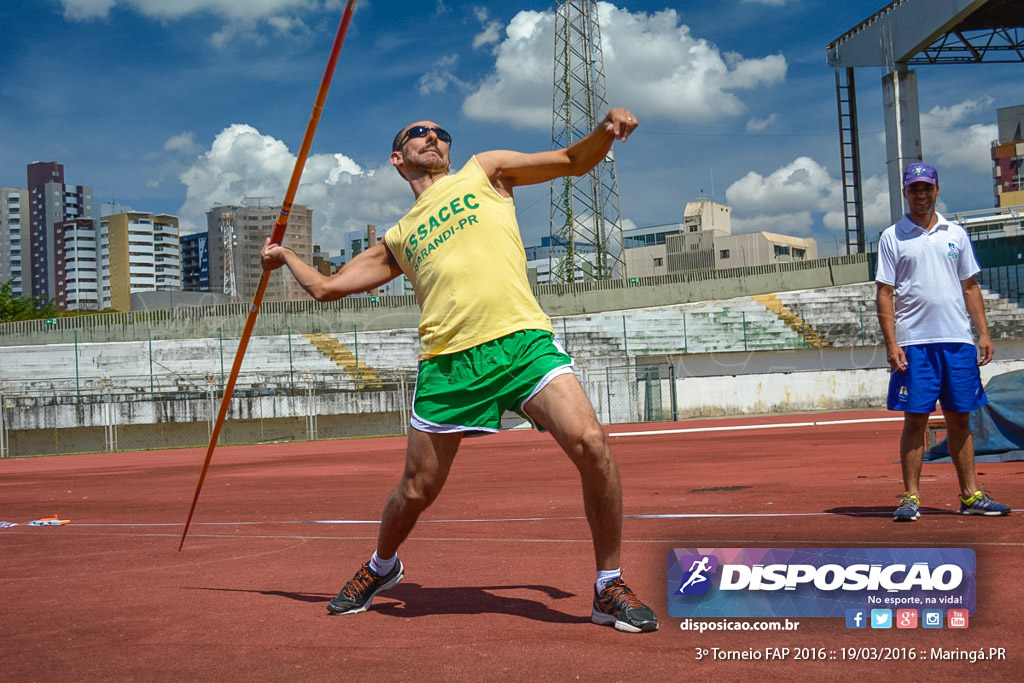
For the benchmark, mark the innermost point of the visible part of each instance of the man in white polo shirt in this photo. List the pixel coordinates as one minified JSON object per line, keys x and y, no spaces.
{"x":929,"y":265}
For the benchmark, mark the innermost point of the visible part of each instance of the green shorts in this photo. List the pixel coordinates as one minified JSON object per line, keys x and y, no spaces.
{"x":469,"y":391}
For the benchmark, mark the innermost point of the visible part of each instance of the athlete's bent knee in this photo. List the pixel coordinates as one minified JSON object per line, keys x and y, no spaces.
{"x":590,"y":449}
{"x":419,"y":494}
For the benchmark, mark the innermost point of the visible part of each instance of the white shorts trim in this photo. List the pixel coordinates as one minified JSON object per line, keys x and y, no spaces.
{"x":566,"y":369}
{"x":419,"y":424}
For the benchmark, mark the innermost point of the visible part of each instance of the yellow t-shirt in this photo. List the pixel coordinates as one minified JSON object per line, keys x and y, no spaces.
{"x":461,"y":249}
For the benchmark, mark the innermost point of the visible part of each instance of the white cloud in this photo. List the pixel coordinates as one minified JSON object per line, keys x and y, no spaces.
{"x":801,"y":185}
{"x":243,"y":162}
{"x":241,"y":19}
{"x":750,"y":73}
{"x":184,"y":143}
{"x":757,"y":125}
{"x":875,"y":195}
{"x":490,"y":35}
{"x":492,"y":29}
{"x":242,"y":31}
{"x":785,"y":200}
{"x":438,"y":78}
{"x":770,"y":3}
{"x":801,"y":196}
{"x":796,"y":223}
{"x":82,"y":10}
{"x":289,"y":26}
{"x":175,"y":9}
{"x":946,"y":142}
{"x":513,"y":93}
{"x":653,"y":65}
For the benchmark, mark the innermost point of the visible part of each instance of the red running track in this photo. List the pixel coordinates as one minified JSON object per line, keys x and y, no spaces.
{"x":498,"y":573}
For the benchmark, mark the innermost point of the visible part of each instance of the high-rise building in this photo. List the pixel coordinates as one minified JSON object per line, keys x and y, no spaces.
{"x":141,"y":254}
{"x":195,"y":263}
{"x":78,"y":265}
{"x":322,"y":261}
{"x":236,"y":235}
{"x":13,"y":227}
{"x":1008,"y":157}
{"x":57,"y":212}
{"x":358,"y":241}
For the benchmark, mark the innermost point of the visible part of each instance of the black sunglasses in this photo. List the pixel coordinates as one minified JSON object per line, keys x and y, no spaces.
{"x":422,"y":132}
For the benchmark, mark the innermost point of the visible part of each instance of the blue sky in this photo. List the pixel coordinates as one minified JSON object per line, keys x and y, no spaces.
{"x":170,"y":106}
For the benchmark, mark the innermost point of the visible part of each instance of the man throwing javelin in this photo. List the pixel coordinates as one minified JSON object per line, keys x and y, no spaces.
{"x":485,"y":344}
{"x":928,"y":263}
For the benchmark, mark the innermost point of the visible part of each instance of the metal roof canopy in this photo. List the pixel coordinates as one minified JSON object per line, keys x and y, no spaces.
{"x":910,"y":33}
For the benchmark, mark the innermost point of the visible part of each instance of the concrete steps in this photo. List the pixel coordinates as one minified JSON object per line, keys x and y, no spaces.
{"x":842,"y":316}
{"x":732,"y":325}
{"x":835,"y":316}
{"x":363,"y":374}
{"x":847,"y":316}
{"x":794,"y":321}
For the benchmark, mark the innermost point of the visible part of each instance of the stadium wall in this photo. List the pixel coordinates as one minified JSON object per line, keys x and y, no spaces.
{"x":396,"y":312}
{"x":787,"y":381}
{"x":272,"y":408}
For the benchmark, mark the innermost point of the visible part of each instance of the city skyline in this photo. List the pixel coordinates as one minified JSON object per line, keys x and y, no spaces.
{"x":173,"y":108}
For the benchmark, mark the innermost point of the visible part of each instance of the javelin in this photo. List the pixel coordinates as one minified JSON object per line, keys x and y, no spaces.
{"x":276,"y":237}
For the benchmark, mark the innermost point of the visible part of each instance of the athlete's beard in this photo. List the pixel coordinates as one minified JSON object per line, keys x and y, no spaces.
{"x":433,"y":165}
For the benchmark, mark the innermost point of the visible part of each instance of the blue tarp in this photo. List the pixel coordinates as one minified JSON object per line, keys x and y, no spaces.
{"x":998,"y":426}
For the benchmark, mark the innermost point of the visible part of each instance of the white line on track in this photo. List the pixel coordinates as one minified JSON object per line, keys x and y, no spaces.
{"x":773,"y":425}
{"x":506,"y":520}
{"x":831,"y":542}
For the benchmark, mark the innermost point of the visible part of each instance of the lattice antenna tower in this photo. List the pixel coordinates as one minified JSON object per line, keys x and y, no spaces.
{"x":229,"y":240}
{"x":585,"y":214}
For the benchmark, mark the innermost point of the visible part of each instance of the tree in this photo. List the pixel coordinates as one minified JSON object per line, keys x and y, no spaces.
{"x":14,"y":308}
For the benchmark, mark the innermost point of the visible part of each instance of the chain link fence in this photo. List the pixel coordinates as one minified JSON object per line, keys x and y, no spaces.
{"x":1003,"y":260}
{"x":138,"y":414}
{"x":631,"y":393}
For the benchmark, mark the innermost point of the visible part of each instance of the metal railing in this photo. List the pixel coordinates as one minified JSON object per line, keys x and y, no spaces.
{"x":136,"y":416}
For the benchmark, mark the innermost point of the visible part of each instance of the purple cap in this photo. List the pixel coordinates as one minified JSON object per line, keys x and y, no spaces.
{"x":918,"y":172}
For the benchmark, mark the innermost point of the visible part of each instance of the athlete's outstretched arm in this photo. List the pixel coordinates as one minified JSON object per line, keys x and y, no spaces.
{"x":508,"y":169}
{"x":368,"y":270}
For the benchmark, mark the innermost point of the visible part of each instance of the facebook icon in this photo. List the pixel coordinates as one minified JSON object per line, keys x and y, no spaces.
{"x":856,"y":618}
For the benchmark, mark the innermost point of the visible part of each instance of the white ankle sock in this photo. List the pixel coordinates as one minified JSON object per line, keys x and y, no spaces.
{"x":382,"y":567}
{"x":606,"y":576}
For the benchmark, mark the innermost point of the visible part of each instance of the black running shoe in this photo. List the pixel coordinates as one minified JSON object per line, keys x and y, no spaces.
{"x":618,"y":606}
{"x":359,"y":592}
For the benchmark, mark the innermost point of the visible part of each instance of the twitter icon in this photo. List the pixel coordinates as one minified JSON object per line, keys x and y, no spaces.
{"x":881,"y":618}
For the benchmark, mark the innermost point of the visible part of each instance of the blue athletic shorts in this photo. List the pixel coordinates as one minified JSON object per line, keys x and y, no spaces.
{"x":947,"y":373}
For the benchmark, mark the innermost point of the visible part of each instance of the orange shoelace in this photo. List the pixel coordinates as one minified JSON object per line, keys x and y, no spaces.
{"x":618,"y":591}
{"x":360,"y":582}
